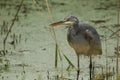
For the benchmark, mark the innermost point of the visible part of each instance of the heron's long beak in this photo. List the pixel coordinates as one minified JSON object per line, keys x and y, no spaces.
{"x":61,"y":23}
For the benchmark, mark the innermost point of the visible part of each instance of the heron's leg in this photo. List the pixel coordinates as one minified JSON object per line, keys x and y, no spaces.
{"x":90,"y":67}
{"x":93,"y":68}
{"x":78,"y":65}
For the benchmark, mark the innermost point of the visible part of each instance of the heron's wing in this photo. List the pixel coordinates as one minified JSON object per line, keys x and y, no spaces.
{"x":89,"y":36}
{"x":93,"y":38}
{"x":89,"y":33}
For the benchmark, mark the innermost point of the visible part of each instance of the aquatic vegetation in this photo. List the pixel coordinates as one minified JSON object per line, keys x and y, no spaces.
{"x":31,"y":32}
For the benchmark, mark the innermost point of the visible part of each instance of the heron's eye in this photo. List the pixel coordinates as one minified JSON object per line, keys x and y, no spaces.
{"x":74,"y":19}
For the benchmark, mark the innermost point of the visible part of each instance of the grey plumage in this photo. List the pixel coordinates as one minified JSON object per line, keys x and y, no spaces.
{"x":83,"y":38}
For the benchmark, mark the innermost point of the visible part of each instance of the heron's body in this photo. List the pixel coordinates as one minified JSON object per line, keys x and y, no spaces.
{"x":84,"y":39}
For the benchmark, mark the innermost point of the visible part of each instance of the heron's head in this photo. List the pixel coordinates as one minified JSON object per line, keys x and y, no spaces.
{"x":69,"y":21}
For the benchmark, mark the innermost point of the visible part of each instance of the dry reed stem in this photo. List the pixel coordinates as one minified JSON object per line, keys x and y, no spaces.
{"x":106,"y":51}
{"x":54,"y":34}
{"x":11,"y":26}
{"x":113,"y":33}
{"x":51,"y":29}
{"x":50,"y":15}
{"x":117,"y":65}
{"x":55,"y":38}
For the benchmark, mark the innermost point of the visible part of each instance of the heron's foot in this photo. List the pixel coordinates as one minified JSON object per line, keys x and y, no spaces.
{"x":78,"y":73}
{"x":91,"y":69}
{"x":90,"y":65}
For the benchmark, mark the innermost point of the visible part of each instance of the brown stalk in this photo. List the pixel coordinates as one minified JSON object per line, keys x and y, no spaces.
{"x":49,"y":13}
{"x":106,"y":51}
{"x":117,"y":65}
{"x":113,"y":33}
{"x":54,"y":34}
{"x":52,"y":29}
{"x":11,"y":26}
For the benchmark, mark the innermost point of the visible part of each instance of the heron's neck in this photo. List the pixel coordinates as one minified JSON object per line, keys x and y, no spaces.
{"x":76,"y":27}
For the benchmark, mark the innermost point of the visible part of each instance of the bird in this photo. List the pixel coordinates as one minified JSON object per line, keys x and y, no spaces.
{"x":83,"y":38}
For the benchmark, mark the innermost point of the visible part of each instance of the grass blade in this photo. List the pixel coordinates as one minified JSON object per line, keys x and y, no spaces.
{"x":70,"y":63}
{"x":56,"y":55}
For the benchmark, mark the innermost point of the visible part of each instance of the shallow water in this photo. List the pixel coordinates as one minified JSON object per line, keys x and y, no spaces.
{"x":32,"y":58}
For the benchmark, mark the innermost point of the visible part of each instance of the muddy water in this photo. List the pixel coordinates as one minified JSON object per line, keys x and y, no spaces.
{"x":31,"y":57}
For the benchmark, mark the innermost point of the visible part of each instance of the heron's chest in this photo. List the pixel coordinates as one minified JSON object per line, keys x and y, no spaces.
{"x":74,"y":36}
{"x":78,"y":42}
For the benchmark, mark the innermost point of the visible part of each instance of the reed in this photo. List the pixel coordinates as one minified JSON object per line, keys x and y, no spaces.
{"x":11,"y":26}
{"x":117,"y":52}
{"x":106,"y":51}
{"x":57,"y":48}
